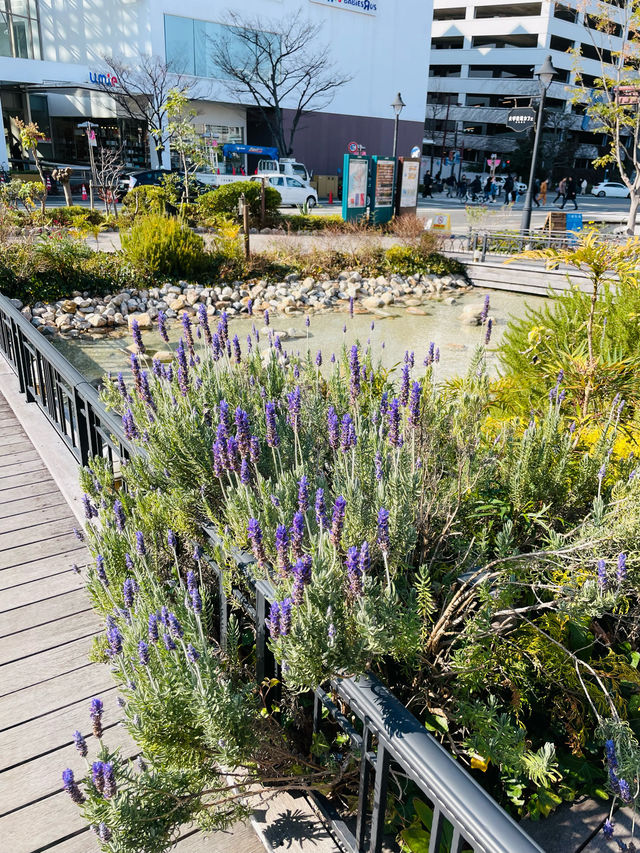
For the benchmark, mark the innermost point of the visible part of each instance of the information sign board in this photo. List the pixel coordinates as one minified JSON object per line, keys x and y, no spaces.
{"x":407,"y":185}
{"x":382,"y":188}
{"x":355,"y":186}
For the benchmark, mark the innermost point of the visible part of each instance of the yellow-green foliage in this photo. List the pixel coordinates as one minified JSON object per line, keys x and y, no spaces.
{"x":161,"y":245}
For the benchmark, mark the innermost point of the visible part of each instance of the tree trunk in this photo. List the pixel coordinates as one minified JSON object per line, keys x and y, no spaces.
{"x":633,"y":210}
{"x":68,"y":200}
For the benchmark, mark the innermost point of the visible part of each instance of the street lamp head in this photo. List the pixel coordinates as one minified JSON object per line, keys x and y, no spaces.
{"x":398,"y":104}
{"x":546,"y":73}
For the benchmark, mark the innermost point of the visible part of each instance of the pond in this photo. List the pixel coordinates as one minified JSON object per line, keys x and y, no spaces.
{"x":394,"y":331}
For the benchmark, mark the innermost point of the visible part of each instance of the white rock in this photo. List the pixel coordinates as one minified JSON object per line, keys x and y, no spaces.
{"x":96,"y":320}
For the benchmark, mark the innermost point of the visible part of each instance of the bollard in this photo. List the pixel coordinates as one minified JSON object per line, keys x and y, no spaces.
{"x":330,"y":197}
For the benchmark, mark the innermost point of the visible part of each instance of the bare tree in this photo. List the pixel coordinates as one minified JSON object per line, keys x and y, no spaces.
{"x":109,"y":169}
{"x":141,"y":92}
{"x":63,"y":177}
{"x":281,"y":67}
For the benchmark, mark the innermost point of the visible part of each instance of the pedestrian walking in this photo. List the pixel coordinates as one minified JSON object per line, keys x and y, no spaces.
{"x":508,"y":189}
{"x":450,"y":183}
{"x":562,"y":186}
{"x":536,"y":192}
{"x":544,"y":188}
{"x":583,"y":186}
{"x":495,"y":190}
{"x":570,"y":194}
{"x":486,"y":190}
{"x":427,"y":184}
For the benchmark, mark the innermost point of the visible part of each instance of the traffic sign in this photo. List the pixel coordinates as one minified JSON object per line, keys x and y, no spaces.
{"x":416,"y":151}
{"x":521,"y":119}
{"x":352,"y":148}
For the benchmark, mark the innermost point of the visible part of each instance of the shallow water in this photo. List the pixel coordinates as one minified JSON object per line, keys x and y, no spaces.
{"x":390,"y":337}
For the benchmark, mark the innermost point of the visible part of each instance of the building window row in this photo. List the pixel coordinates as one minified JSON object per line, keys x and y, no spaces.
{"x":19,"y":29}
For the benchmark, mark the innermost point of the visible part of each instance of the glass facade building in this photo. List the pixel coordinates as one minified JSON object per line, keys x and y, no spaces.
{"x":19,"y":29}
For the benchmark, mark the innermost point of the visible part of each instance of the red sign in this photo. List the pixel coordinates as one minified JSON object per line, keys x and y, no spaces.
{"x":493,"y":164}
{"x":352,"y":148}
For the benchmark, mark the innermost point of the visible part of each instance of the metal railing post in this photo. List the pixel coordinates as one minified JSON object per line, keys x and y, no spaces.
{"x":363,"y":790}
{"x":379,"y":798}
{"x":485,"y":238}
{"x":261,"y":634}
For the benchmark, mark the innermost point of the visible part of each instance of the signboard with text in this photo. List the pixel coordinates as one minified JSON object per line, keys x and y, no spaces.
{"x":407,"y":185}
{"x":367,"y":7}
{"x":521,"y":119}
{"x":355,"y":186}
{"x":382,"y":188}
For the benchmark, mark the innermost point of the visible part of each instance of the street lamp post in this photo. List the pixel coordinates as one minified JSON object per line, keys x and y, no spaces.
{"x":398,"y":106}
{"x":545,"y":75}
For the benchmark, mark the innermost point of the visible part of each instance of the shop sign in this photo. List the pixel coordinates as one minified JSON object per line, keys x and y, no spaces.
{"x":103,"y":79}
{"x":367,"y":7}
{"x":521,"y":119}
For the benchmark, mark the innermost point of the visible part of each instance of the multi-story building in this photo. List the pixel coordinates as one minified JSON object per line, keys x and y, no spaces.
{"x":483,"y":57}
{"x":52,"y":53}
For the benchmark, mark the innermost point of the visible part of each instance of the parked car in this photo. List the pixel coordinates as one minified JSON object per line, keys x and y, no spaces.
{"x":612,"y":189}
{"x":292,"y":190}
{"x":145,"y":178}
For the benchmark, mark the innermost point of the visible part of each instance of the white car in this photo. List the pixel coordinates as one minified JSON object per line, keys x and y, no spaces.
{"x":292,"y":190}
{"x":610,"y":188}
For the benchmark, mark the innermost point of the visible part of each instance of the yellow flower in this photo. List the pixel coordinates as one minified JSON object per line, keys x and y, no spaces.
{"x":479,"y":763}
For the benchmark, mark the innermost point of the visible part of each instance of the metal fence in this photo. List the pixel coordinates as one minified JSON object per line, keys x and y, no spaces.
{"x":391,"y":742}
{"x":482,"y":243}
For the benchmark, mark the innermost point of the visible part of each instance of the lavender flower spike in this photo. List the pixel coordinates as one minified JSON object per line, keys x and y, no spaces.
{"x":274,"y":620}
{"x":95,"y":712}
{"x":110,"y":788}
{"x":118,"y":512}
{"x":255,"y":538}
{"x":602,"y":574}
{"x":71,"y":787}
{"x":621,"y":572}
{"x":137,"y":336}
{"x":81,"y":744}
{"x":140,"y":546}
{"x":383,"y":530}
{"x":337,"y":520}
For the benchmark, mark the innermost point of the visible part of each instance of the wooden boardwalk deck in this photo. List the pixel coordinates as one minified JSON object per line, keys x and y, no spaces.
{"x":46,"y":681}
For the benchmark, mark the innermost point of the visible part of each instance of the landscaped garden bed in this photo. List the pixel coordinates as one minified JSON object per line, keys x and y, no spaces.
{"x":475,"y":551}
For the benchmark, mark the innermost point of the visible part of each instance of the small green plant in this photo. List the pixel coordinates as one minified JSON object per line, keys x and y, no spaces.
{"x":161,"y":245}
{"x":145,"y":199}
{"x":226,"y":198}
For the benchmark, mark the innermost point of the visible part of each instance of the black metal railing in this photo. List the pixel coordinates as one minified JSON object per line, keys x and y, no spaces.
{"x":483,"y":242}
{"x":390,"y":741}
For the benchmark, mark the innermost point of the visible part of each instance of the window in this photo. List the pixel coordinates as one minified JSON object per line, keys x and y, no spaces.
{"x":293,"y":182}
{"x":513,"y":10}
{"x":189,"y":45}
{"x":520,"y":72}
{"x":514,"y":40}
{"x":559,"y":43}
{"x":19,"y":32}
{"x":565,"y":13}
{"x":456,"y":14}
{"x":444,"y":70}
{"x":600,"y":54}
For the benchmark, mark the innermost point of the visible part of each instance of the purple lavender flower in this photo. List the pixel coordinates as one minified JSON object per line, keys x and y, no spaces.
{"x":351,"y":301}
{"x":393,"y":423}
{"x":95,"y":712}
{"x":122,"y":388}
{"x":164,"y":615}
{"x":174,"y":626}
{"x":487,"y":337}
{"x":114,"y":638}
{"x":301,"y":571}
{"x":110,"y":787}
{"x":89,"y":509}
{"x":297,"y":535}
{"x":332,"y":428}
{"x":414,"y":405}
{"x":602,"y":472}
{"x":118,"y":512}
{"x":602,"y":574}
{"x":354,"y":369}
{"x":266,"y":317}
{"x":272,"y":438}
{"x":156,"y":368}
{"x":216,"y":348}
{"x":168,"y":642}
{"x":129,"y":589}
{"x":285,"y":616}
{"x":188,"y":334}
{"x":80,"y":743}
{"x":243,"y":433}
{"x":621,"y":572}
{"x":321,"y":510}
{"x":625,"y":792}
{"x":245,"y":472}
{"x":97,"y":775}
{"x":319,"y":358}
{"x":436,"y":357}
{"x":203,"y":320}
{"x":162,"y":326}
{"x":71,"y":787}
{"x":430,"y":353}
{"x":250,"y":307}
{"x":103,"y":832}
{"x":237,"y":352}
{"x":347,"y":434}
{"x":607,"y":828}
{"x":353,"y":572}
{"x":404,"y":385}
{"x":153,"y":627}
{"x":485,"y":310}
{"x":143,"y":653}
{"x":254,"y":449}
{"x":610,"y":752}
{"x":183,"y":368}
{"x":383,"y":530}
{"x":196,"y":600}
{"x":101,"y":571}
{"x":365,"y":558}
{"x":274,"y":620}
{"x":172,"y":540}
{"x":294,"y":399}
{"x":192,"y":654}
{"x":232,"y":456}
{"x":282,"y":550}
{"x":135,"y":370}
{"x":141,"y":548}
{"x":255,"y":538}
{"x":129,"y":425}
{"x":378,"y":465}
{"x":137,"y":336}
{"x":337,"y":520}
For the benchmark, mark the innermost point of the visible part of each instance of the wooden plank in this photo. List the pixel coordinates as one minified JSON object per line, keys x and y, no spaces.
{"x":239,"y":838}
{"x":48,"y":610}
{"x":32,"y":504}
{"x":37,"y":737}
{"x":45,"y":486}
{"x":29,"y":535}
{"x":52,"y":819}
{"x":8,"y":444}
{"x":28,"y":593}
{"x":40,"y":569}
{"x":83,"y":842}
{"x":20,"y":457}
{"x":34,"y":779}
{"x":22,"y":468}
{"x":26,"y":479}
{"x":89,"y":680}
{"x":49,"y":636}
{"x":52,"y":547}
{"x":41,"y":668}
{"x":36,"y":517}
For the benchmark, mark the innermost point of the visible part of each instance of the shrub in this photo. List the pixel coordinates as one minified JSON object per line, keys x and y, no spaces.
{"x":407,"y":260}
{"x":160,"y":245}
{"x":143,"y":200}
{"x":301,"y":222}
{"x":68,"y":216}
{"x":226,"y":198}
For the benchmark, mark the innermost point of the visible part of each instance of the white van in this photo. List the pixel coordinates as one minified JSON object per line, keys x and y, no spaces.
{"x":292,"y":190}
